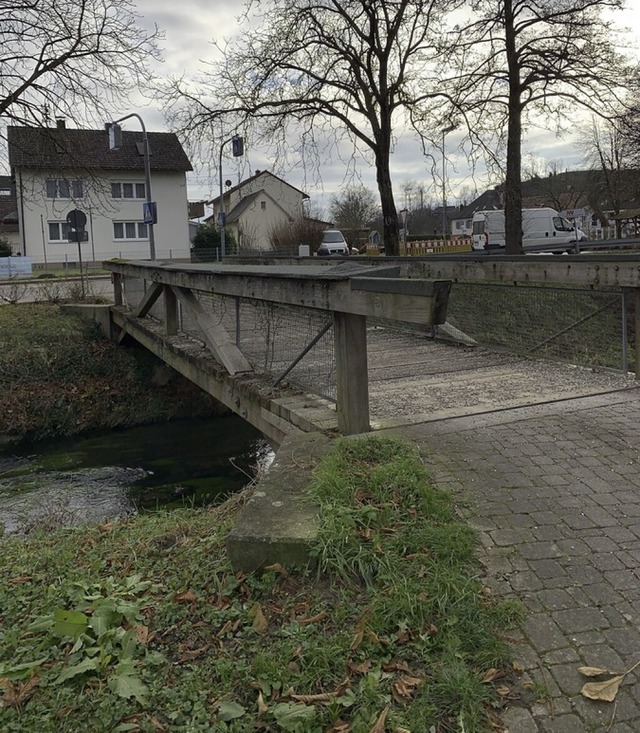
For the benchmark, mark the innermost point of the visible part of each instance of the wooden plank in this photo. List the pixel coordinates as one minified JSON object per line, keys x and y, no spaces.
{"x":351,"y":373}
{"x":214,"y":334}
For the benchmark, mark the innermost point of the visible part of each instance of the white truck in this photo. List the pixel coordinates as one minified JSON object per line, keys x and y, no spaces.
{"x":541,"y":228}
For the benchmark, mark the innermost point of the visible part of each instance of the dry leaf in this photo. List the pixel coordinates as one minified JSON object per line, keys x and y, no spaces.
{"x":260,"y":623}
{"x":187,"y":597}
{"x":605,"y":691}
{"x":593,"y":671}
{"x":361,"y":668}
{"x":15,"y":695}
{"x":357,"y":640}
{"x":20,"y":579}
{"x":518,"y":667}
{"x":190,"y":654}
{"x":492,"y":674}
{"x":380,"y":723}
{"x":503,"y":691}
{"x":313,"y":619}
{"x":142,"y":632}
{"x":262,"y":705}
{"x":340,"y":726}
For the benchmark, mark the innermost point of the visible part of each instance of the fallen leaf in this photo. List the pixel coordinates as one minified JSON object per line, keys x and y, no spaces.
{"x":313,"y":619}
{"x":293,"y":667}
{"x":142,"y":632}
{"x":340,"y":726}
{"x":492,"y":674}
{"x":187,"y":596}
{"x":357,"y":640}
{"x":605,"y":691}
{"x":157,"y":724}
{"x":190,"y":654}
{"x":361,"y":668}
{"x":593,"y":671}
{"x":380,"y":723}
{"x":20,"y":579}
{"x":262,"y":705}
{"x":503,"y":691}
{"x":518,"y":667}
{"x":260,"y":623}
{"x":277,"y":568}
{"x":15,"y":695}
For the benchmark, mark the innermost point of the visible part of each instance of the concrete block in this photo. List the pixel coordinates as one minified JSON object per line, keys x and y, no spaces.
{"x":278,"y":524}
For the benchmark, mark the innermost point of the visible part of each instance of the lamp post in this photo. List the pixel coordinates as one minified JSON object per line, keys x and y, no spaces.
{"x":238,"y":149}
{"x":445,"y":131}
{"x":115,"y":142}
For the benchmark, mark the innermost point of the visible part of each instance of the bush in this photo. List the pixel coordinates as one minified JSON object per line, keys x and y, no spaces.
{"x":286,"y":238}
{"x":5,"y":247}
{"x":208,"y":237}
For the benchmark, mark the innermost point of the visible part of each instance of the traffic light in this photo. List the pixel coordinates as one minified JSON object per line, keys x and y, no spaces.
{"x":237,"y":143}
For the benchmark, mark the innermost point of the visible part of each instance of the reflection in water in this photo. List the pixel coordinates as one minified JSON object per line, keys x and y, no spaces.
{"x":185,"y":463}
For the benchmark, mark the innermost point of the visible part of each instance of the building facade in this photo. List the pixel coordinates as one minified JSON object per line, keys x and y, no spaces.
{"x":59,"y":170}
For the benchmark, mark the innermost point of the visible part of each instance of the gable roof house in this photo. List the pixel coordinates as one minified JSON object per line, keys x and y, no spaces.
{"x":258,"y":206}
{"x":57,"y":170}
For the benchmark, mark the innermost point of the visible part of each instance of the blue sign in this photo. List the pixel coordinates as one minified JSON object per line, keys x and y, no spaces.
{"x":222,"y":220}
{"x":149,"y":212}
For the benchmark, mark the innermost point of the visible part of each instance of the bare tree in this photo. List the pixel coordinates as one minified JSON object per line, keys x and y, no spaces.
{"x":339,"y":66}
{"x":550,"y":57}
{"x":70,"y":58}
{"x":354,"y":208}
{"x":609,"y":151}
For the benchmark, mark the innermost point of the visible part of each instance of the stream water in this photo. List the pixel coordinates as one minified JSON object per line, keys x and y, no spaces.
{"x":183,"y":463}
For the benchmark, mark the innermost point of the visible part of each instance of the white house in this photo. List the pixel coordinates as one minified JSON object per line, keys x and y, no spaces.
{"x":58,"y":170}
{"x":257,"y":207}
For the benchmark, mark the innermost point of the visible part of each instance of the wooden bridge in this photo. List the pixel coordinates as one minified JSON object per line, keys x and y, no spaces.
{"x":345,"y":346}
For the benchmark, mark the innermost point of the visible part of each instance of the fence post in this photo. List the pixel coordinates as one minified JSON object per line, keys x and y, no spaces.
{"x":625,"y":333}
{"x":117,"y":288}
{"x":637,"y":331}
{"x":352,"y":378}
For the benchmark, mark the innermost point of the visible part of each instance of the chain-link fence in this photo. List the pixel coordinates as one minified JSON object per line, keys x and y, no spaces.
{"x":281,"y":341}
{"x":586,"y":327}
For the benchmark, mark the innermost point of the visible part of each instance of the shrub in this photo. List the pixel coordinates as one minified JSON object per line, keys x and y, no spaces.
{"x":5,"y":247}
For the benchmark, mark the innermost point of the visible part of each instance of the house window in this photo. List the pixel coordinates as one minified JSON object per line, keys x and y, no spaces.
{"x":459,"y":224}
{"x":61,"y":188}
{"x":263,"y":205}
{"x":131,"y":230}
{"x":127,"y":190}
{"x":58,"y":231}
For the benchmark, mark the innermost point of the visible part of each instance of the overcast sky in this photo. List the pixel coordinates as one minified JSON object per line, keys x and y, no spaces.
{"x":189,"y":27}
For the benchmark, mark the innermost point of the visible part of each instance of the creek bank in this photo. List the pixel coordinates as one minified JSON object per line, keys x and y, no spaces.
{"x":58,"y":378}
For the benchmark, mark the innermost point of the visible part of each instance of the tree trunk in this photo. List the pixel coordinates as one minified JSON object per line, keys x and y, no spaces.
{"x":513,"y":179}
{"x":383,"y":177}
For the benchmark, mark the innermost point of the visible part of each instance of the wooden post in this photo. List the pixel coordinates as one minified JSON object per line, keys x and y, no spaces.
{"x":171,"y":316}
{"x":350,"y":339}
{"x":117,"y":288}
{"x":636,"y":334}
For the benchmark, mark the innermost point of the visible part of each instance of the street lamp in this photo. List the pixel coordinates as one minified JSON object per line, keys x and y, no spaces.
{"x":453,"y":126}
{"x":115,"y":143}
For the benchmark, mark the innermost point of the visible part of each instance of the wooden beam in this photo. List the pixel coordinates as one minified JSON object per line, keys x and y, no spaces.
{"x":148,"y":301}
{"x":352,"y":378}
{"x":171,"y":315}
{"x":214,"y":334}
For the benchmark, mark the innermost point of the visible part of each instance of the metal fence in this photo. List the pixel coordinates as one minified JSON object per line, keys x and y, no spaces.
{"x":585,"y":327}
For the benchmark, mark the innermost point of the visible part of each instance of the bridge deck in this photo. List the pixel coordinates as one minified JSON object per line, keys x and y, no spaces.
{"x":413,"y":379}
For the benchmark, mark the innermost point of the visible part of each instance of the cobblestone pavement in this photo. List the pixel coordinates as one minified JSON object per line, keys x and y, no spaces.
{"x":554,"y":492}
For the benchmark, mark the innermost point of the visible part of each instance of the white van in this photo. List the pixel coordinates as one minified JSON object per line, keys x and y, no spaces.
{"x":541,"y":228}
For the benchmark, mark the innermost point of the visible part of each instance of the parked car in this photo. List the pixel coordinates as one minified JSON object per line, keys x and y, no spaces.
{"x":333,"y":243}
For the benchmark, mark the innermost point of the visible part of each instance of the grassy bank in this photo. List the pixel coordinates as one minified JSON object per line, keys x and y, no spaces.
{"x":58,"y":377}
{"x":143,"y":626}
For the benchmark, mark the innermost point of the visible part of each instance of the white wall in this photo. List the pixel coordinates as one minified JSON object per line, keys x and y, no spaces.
{"x":169,"y":191}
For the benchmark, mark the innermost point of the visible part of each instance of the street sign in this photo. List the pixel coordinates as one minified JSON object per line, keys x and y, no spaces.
{"x":237,"y":145}
{"x":573,"y":213}
{"x":149,"y":212}
{"x":76,"y":219}
{"x":221,"y":219}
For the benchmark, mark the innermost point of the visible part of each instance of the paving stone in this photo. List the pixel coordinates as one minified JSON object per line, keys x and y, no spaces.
{"x":563,"y":724}
{"x":519,"y":720}
{"x":577,"y":620}
{"x":543,"y":632}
